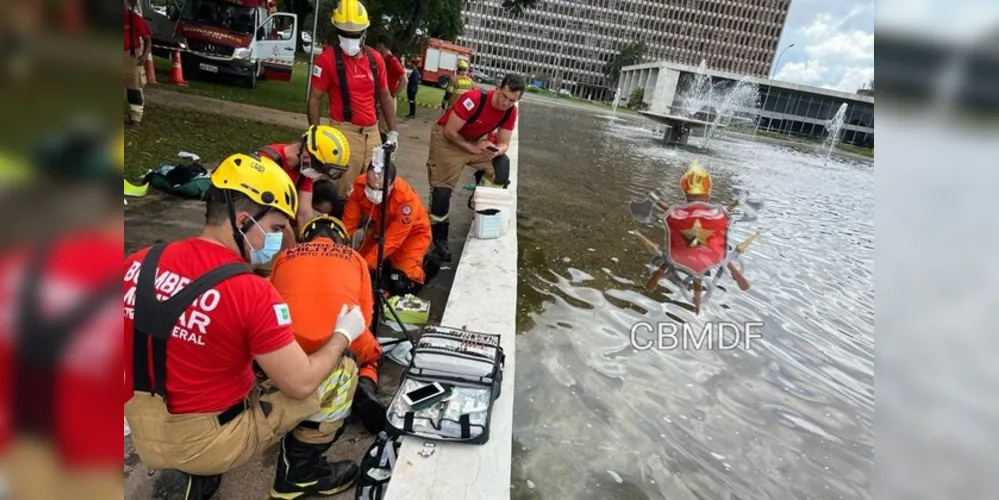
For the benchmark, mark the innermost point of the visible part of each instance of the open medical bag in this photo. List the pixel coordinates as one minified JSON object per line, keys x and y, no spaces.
{"x":472,"y":365}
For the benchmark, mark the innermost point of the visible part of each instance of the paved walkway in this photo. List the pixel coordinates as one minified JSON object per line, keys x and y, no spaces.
{"x":204,"y":104}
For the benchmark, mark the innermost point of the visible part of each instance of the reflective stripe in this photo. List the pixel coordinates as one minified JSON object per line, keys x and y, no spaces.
{"x":434,"y":219}
{"x":338,"y":383}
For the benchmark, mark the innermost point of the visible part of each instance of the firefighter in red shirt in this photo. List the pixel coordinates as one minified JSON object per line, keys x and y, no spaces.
{"x":459,"y":139}
{"x":355,"y":79}
{"x":397,"y":80}
{"x":196,"y":320}
{"x":138,"y":46}
{"x":407,"y":227}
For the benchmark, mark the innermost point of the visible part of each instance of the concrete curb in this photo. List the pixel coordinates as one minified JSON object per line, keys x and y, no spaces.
{"x":483,"y":298}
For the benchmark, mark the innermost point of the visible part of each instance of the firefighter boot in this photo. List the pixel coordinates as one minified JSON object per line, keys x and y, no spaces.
{"x":440,"y":248}
{"x":176,"y":485}
{"x":302,"y":470}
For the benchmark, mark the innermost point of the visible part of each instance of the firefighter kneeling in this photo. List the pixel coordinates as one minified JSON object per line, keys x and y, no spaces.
{"x":323,"y":274}
{"x":191,"y":399}
{"x":407,"y":227}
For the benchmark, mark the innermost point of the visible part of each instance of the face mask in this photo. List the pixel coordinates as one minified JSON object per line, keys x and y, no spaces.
{"x":311,"y":173}
{"x":374,"y":195}
{"x":272,"y":245}
{"x":350,"y":46}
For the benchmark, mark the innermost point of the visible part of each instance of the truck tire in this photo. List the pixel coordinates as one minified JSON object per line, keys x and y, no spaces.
{"x":251,"y":81}
{"x":444,"y":81}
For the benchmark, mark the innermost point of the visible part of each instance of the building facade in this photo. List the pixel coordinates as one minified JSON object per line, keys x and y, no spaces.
{"x":781,"y":107}
{"x":566,"y":43}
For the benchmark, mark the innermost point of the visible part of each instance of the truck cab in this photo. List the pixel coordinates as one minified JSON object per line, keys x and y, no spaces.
{"x":241,"y":40}
{"x":440,"y":61}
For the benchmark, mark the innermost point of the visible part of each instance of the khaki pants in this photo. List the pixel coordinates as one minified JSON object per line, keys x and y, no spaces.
{"x":198,"y":445}
{"x":447,"y":160}
{"x":135,"y":80}
{"x":382,"y":125}
{"x":362,"y":141}
{"x":34,"y":469}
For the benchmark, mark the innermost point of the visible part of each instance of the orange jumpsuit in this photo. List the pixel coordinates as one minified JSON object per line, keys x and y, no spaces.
{"x":407,"y":227}
{"x":316,"y":279}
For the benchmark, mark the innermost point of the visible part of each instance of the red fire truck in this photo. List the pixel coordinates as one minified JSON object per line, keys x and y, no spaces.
{"x":440,"y":59}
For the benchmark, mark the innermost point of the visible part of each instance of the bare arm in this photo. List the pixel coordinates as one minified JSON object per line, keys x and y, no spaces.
{"x":386,"y":99}
{"x":451,"y":131}
{"x":503,"y":138}
{"x":305,"y":210}
{"x":297,"y":374}
{"x":403,"y":83}
{"x":315,"y":100}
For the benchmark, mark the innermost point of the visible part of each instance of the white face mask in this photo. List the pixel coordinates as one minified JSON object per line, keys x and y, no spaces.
{"x":374,"y":195}
{"x":350,"y":46}
{"x":311,"y":173}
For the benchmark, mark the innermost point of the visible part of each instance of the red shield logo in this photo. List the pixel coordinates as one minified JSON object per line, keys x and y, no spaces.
{"x":696,"y":237}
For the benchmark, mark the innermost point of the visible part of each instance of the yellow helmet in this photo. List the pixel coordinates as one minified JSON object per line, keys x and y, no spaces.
{"x":329,"y":147}
{"x":462,"y":64}
{"x":324,"y":225}
{"x":350,"y":16}
{"x":696,"y":181}
{"x":259,"y":178}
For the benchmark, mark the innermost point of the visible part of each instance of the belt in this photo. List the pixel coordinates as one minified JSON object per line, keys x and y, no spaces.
{"x":354,"y":128}
{"x":230,"y":413}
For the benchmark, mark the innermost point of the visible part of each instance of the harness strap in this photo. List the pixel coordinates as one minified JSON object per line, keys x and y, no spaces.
{"x":155,"y":319}
{"x":478,"y":111}
{"x":41,"y":343}
{"x":341,"y":72}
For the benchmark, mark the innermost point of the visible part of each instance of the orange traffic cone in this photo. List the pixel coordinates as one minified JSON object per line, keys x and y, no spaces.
{"x":177,"y":73}
{"x":150,"y":71}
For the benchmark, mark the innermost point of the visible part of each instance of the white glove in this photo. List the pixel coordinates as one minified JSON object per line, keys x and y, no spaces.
{"x":350,"y":322}
{"x":392,"y":138}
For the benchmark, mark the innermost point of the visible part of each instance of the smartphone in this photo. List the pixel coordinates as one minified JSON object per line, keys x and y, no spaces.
{"x":426,"y":396}
{"x":493,"y":149}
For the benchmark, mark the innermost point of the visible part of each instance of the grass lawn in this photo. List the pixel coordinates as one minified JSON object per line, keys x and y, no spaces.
{"x":286,"y":96}
{"x":165,"y":131}
{"x":848,"y":148}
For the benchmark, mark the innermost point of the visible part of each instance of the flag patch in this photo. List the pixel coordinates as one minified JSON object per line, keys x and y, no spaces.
{"x":282,"y":314}
{"x":317,"y":71}
{"x":468,"y":103}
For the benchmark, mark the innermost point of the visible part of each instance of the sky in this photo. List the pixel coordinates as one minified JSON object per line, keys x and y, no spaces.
{"x":833,"y":44}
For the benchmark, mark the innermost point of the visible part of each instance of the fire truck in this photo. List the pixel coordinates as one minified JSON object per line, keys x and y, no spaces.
{"x":242,"y":40}
{"x":440,"y":60}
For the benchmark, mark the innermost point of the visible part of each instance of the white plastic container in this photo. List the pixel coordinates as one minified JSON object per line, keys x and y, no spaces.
{"x":493,"y":207}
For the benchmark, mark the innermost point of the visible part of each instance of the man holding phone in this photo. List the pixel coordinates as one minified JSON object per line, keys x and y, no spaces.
{"x":459,"y":138}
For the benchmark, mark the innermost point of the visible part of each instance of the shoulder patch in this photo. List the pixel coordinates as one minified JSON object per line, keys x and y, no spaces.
{"x":317,"y":71}
{"x":282,"y":314}
{"x":406,"y":210}
{"x":468,"y":103}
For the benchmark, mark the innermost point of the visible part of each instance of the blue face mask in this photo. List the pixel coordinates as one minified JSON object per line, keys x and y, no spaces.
{"x":272,"y":245}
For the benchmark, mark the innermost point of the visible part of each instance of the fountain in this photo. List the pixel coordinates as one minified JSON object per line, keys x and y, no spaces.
{"x":617,"y":97}
{"x":722,"y":100}
{"x":834,"y":125}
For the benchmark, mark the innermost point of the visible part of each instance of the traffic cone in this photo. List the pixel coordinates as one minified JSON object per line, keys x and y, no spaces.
{"x":150,"y":71}
{"x":177,"y":73}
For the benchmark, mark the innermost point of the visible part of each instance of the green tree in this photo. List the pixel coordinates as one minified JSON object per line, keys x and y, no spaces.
{"x":636,"y":98}
{"x":628,"y":55}
{"x":404,"y":25}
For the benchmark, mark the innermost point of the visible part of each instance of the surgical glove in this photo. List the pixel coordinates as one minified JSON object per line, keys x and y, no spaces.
{"x":392,"y":138}
{"x":350,"y":322}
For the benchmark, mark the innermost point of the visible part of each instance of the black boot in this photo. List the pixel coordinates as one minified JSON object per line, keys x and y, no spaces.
{"x":303,"y":470}
{"x":440,"y":248}
{"x":176,"y":485}
{"x":367,"y":407}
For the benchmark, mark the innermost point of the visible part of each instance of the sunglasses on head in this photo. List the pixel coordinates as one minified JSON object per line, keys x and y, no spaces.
{"x":347,"y":34}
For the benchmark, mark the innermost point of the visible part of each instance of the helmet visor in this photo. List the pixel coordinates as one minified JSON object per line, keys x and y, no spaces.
{"x":334,"y":172}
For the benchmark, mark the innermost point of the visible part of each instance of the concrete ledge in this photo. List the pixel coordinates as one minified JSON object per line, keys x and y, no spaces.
{"x":484,"y":299}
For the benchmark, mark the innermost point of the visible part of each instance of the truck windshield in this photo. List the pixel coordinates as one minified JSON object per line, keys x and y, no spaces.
{"x":225,"y":14}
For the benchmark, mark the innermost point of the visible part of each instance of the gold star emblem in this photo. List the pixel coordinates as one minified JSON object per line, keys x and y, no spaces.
{"x":697,"y":235}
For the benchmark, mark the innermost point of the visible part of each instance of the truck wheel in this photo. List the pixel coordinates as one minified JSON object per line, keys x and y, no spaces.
{"x":443,"y":82}
{"x":251,"y":81}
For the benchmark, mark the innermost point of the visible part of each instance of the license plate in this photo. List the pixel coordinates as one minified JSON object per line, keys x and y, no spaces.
{"x":211,"y":68}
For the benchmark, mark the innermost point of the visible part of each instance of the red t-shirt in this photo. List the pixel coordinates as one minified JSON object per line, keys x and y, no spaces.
{"x":210,"y":355}
{"x":87,"y":375}
{"x":395,"y":71}
{"x":360,"y":84}
{"x":135,"y":30}
{"x":488,"y":119}
{"x":303,"y":183}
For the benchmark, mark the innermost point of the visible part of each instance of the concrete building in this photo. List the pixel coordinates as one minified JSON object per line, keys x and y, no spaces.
{"x":782,"y":107}
{"x":566,"y":43}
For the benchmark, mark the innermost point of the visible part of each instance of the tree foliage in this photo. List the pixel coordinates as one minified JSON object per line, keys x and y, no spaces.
{"x":404,"y":25}
{"x":628,"y":55}
{"x":636,"y":98}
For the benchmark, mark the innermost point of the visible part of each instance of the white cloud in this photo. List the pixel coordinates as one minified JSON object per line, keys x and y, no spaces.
{"x":833,"y":45}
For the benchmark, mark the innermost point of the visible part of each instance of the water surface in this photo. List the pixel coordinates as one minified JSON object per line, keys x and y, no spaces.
{"x":791,"y":417}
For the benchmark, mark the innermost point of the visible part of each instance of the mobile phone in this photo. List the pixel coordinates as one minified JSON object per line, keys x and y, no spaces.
{"x":493,"y":149}
{"x":426,"y":395}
